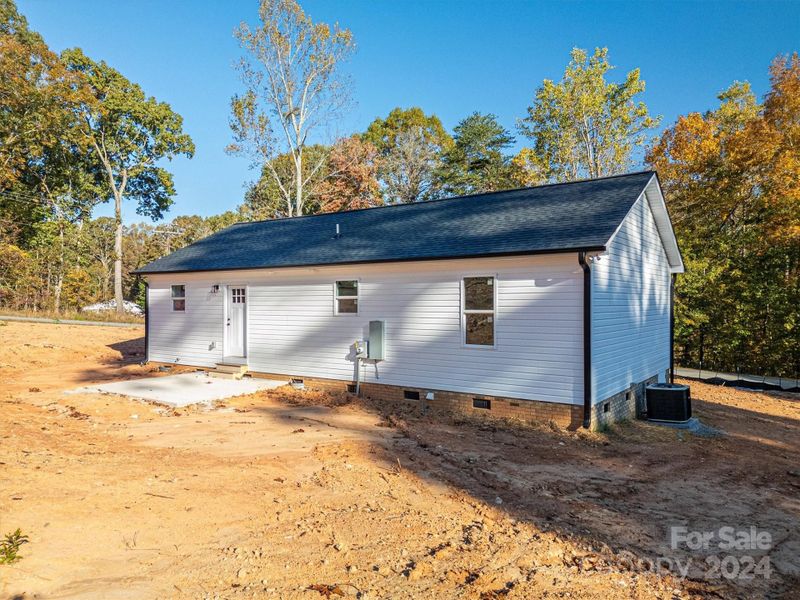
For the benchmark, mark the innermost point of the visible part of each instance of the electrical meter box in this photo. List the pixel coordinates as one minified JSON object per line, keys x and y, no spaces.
{"x":377,"y":340}
{"x":360,"y":347}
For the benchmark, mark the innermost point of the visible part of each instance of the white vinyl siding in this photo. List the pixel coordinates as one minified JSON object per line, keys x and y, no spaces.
{"x":630,"y":306}
{"x":192,"y":336}
{"x":292,"y":329}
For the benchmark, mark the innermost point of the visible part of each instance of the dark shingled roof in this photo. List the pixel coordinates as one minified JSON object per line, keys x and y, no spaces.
{"x":565,"y":217}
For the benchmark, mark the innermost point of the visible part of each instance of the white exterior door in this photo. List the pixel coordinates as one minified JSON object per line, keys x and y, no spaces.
{"x":237,"y":321}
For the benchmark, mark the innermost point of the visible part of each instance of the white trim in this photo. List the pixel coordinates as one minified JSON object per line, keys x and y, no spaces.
{"x":464,"y":311}
{"x":225,"y":327}
{"x":658,"y":206}
{"x":246,"y":337}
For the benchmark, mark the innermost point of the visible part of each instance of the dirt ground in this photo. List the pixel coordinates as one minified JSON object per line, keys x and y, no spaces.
{"x":288,"y":494}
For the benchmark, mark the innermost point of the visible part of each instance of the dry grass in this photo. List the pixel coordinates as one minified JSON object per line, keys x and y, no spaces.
{"x":106,"y":317}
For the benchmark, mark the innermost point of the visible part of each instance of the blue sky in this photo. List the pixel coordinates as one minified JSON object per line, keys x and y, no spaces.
{"x":449,"y":57}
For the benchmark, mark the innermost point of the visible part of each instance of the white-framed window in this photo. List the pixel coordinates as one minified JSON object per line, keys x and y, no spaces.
{"x":346,"y":297}
{"x":178,"y":293}
{"x":479,"y":299}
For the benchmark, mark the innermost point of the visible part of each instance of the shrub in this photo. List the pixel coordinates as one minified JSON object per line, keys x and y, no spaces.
{"x":10,"y":545}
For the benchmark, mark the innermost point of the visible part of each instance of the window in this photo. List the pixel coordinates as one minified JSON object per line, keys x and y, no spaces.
{"x":179,"y":298}
{"x":478,"y":295}
{"x":238,"y":295}
{"x":346,"y":297}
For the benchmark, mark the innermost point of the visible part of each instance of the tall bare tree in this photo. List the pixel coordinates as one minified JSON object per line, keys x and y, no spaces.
{"x":294,"y":88}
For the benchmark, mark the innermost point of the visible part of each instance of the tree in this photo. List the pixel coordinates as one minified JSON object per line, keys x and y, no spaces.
{"x":265,"y":198}
{"x":346,"y":180}
{"x":47,"y":182}
{"x":129,"y":134}
{"x":584,"y":126}
{"x":352,"y":177}
{"x":43,"y":171}
{"x":409,"y":144}
{"x":528,"y":168}
{"x":69,"y":186}
{"x":36,"y":92}
{"x":15,"y":275}
{"x":99,"y":235}
{"x":293,"y":89}
{"x":732,"y":179}
{"x":476,"y":161}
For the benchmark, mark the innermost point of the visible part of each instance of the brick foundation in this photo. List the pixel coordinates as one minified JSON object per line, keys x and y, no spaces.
{"x":533,"y":411}
{"x":624,"y":406}
{"x":563,"y":415}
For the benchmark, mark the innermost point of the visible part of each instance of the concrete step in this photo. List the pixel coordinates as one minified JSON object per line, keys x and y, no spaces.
{"x":231,"y":368}
{"x":225,"y":375}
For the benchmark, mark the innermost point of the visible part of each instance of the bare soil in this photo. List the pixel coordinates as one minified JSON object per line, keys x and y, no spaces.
{"x":289,"y":494}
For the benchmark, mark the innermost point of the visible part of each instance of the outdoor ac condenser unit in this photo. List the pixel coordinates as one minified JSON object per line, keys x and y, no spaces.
{"x":669,"y":402}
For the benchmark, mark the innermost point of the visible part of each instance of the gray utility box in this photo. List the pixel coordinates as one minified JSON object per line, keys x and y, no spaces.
{"x":377,"y":340}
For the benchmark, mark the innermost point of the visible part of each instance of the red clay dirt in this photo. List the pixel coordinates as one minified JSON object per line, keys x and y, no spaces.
{"x":289,"y":494}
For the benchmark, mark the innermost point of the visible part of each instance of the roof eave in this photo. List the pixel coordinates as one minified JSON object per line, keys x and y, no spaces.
{"x":594,"y":248}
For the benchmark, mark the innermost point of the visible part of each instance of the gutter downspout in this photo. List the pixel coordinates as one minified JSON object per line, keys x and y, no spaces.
{"x":587,"y":340}
{"x":146,"y":322}
{"x":672,"y":328}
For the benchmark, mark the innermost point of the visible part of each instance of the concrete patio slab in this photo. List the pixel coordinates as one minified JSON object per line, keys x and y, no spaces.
{"x":184,"y":389}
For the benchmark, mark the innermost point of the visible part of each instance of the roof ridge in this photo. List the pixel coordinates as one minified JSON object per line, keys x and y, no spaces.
{"x":461,"y":197}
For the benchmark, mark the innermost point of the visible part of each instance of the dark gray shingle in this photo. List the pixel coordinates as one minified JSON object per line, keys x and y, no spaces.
{"x":581,"y":215}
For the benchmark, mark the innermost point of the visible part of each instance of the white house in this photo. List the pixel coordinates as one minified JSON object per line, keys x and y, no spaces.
{"x":551,"y":302}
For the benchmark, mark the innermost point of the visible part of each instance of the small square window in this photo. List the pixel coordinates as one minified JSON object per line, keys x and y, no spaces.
{"x":178,"y":293}
{"x":346,"y":297}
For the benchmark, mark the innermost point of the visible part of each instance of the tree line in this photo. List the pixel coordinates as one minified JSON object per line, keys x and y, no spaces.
{"x":75,"y":133}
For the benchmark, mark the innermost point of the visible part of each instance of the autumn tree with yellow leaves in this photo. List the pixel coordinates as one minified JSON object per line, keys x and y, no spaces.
{"x":732,"y":180}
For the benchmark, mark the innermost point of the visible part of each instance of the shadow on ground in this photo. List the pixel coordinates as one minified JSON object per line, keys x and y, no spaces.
{"x":617,"y":494}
